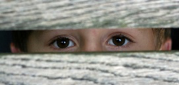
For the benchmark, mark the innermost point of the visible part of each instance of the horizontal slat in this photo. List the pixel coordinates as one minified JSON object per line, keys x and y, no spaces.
{"x":60,"y":14}
{"x":129,"y":68}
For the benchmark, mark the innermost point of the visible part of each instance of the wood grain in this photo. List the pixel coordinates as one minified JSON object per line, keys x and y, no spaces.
{"x":71,"y":14}
{"x":129,"y":68}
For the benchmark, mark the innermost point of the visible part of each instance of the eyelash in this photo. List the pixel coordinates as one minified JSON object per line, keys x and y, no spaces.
{"x":124,"y":44}
{"x":54,"y":41}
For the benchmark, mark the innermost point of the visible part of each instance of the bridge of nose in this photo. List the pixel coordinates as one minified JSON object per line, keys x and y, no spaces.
{"x":92,"y":40}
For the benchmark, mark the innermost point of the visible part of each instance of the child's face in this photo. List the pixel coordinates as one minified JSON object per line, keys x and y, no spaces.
{"x":91,"y":40}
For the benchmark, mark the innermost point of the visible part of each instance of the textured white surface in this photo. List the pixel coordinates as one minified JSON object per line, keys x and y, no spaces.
{"x":142,"y":68}
{"x":58,"y":14}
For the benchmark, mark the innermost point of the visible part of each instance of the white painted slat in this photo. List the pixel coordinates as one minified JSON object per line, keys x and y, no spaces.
{"x":72,"y":14}
{"x":142,"y":68}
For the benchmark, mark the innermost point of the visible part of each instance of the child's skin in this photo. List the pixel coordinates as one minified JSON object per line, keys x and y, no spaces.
{"x":89,"y":40}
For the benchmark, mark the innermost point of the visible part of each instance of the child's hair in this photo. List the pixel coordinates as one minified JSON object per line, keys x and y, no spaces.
{"x":161,"y":35}
{"x":20,"y":38}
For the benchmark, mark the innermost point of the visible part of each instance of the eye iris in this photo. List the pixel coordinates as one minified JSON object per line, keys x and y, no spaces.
{"x":118,"y":40}
{"x":63,"y":42}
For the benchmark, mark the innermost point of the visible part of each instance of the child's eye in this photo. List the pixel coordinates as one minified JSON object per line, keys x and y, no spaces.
{"x":119,"y":40}
{"x":63,"y":43}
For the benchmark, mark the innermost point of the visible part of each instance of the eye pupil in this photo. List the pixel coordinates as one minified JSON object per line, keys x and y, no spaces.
{"x":63,"y":42}
{"x":118,"y":40}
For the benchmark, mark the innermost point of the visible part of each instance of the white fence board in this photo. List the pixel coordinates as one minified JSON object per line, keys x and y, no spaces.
{"x":142,"y":68}
{"x":60,"y":14}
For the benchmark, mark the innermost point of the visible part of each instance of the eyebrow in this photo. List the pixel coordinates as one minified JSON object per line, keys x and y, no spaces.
{"x":130,"y":31}
{"x":45,"y":32}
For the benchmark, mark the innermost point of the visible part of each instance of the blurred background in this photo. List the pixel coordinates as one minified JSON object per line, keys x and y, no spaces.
{"x":6,"y":36}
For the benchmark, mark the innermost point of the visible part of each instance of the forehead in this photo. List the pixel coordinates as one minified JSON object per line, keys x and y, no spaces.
{"x":137,"y":34}
{"x":128,"y":30}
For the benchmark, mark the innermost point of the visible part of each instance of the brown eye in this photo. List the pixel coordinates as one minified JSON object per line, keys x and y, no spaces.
{"x":118,"y":40}
{"x":63,"y":43}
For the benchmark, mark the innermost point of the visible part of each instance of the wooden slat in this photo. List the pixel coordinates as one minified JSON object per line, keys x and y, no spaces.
{"x":60,"y":14}
{"x":140,"y":68}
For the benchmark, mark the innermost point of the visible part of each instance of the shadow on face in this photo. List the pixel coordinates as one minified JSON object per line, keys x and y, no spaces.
{"x":91,"y":40}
